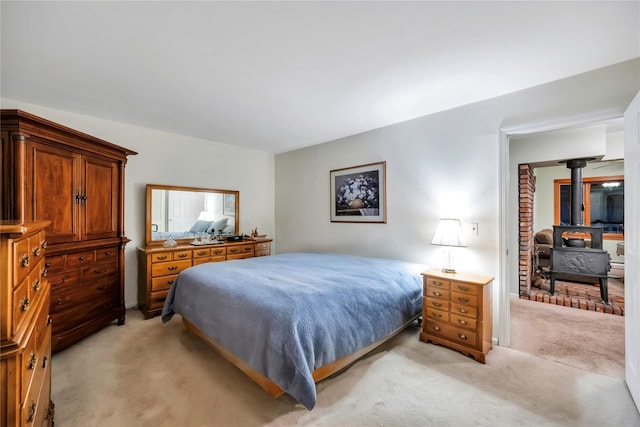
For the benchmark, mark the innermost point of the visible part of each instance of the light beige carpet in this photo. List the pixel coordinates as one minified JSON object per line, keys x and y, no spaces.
{"x":580,"y":338}
{"x":145,"y":373}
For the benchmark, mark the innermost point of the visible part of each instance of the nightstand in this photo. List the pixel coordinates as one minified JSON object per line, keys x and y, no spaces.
{"x":456,"y":312}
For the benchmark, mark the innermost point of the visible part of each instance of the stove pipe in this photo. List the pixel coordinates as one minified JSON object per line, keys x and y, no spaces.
{"x":577,"y":204}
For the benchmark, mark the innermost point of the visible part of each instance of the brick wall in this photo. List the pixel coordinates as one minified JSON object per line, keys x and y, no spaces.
{"x":526,"y":192}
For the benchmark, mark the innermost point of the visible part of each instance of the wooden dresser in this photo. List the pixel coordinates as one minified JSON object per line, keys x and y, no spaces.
{"x":158,"y":266}
{"x":25,"y":326}
{"x":456,"y":312}
{"x":76,"y":181}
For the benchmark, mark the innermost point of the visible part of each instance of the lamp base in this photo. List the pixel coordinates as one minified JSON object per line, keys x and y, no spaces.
{"x":449,"y":270}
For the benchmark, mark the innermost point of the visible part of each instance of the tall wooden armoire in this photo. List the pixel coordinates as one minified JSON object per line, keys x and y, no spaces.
{"x":76,"y":181}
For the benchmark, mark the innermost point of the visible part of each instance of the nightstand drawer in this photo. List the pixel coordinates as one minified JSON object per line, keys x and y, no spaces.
{"x":464,"y":288}
{"x":464,"y":310}
{"x":437,"y":303}
{"x":464,"y":322}
{"x":434,"y":313}
{"x":437,"y":283}
{"x":465,"y":299}
{"x":439,"y":293}
{"x":452,"y":333}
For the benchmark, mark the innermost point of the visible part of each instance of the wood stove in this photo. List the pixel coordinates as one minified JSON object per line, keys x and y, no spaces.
{"x":570,"y":253}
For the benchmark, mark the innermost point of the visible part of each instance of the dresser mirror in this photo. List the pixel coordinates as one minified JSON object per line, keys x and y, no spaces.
{"x":182,"y":212}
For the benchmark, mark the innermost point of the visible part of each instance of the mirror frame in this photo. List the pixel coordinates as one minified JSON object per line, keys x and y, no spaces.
{"x":150,"y":187}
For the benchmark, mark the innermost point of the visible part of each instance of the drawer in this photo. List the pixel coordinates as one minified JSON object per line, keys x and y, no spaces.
{"x":37,"y":244}
{"x":201,"y":253}
{"x":162,"y":257}
{"x":263,"y":247}
{"x":36,"y":282}
{"x":107,"y":254}
{"x":37,"y":353}
{"x":198,"y":261}
{"x":64,"y":279}
{"x":464,"y":310}
{"x":180,"y":255}
{"x":99,"y":271}
{"x":21,"y":303}
{"x":464,"y":288}
{"x":435,"y":292}
{"x":80,"y":258}
{"x":23,"y":259}
{"x":166,"y":268}
{"x":437,"y":303}
{"x":157,"y":299}
{"x":437,"y":283}
{"x":240,"y":251}
{"x":451,"y":332}
{"x":464,"y":299}
{"x":36,"y":403}
{"x":63,"y":299}
{"x":218,"y":251}
{"x":464,"y":322}
{"x":162,"y":283}
{"x":434,"y":313}
{"x":75,"y":315}
{"x":54,"y":263}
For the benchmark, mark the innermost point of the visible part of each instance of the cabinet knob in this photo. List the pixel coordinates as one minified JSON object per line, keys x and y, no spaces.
{"x":81,"y":258}
{"x":436,"y":328}
{"x":24,"y":304}
{"x":36,"y":285}
{"x":25,"y":260}
{"x":462,"y":310}
{"x":437,"y":294}
{"x":462,"y":322}
{"x":36,"y":251}
{"x":463,"y":336}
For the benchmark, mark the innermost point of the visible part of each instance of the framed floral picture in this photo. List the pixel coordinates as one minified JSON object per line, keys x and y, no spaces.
{"x":358,"y":194}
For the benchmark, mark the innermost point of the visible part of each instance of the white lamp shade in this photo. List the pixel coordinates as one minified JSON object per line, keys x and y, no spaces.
{"x":448,"y":233}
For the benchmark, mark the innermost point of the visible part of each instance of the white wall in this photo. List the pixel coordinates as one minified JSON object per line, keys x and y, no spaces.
{"x":444,"y":164}
{"x":170,"y":159}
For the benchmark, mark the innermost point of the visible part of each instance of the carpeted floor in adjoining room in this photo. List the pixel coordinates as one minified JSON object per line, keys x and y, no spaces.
{"x":146,"y":373}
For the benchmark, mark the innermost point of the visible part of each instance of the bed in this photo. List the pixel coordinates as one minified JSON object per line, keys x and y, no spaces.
{"x":291,"y":320}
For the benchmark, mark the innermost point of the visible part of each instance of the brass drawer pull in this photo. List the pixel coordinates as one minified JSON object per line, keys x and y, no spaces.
{"x":463,"y":288}
{"x":183,"y":255}
{"x":44,"y":362}
{"x":36,"y":285}
{"x":463,"y":336}
{"x":101,"y":271}
{"x":49,"y":320}
{"x":47,"y":264}
{"x":36,"y":251}
{"x":462,"y":310}
{"x":162,"y":258}
{"x":438,"y":315}
{"x":436,"y":328}
{"x":160,"y":299}
{"x":218,"y":251}
{"x":437,"y":283}
{"x":437,"y":304}
{"x":172,"y":268}
{"x":44,"y":273}
{"x":81,"y":258}
{"x":24,"y":304}
{"x":437,"y":294}
{"x":43,"y":244}
{"x":59,"y":301}
{"x":202,"y":253}
{"x":32,"y":362}
{"x":25,"y":261}
{"x":107,"y":253}
{"x":462,"y":322}
{"x":463,"y":300}
{"x":170,"y":282}
{"x":233,"y":250}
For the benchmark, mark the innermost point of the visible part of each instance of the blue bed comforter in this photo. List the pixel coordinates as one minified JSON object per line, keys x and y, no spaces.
{"x":286,"y":315}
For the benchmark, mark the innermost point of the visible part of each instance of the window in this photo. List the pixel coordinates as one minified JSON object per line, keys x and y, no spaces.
{"x":603,"y":204}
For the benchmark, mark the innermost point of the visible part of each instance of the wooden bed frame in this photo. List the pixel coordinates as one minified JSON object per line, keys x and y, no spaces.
{"x":318,"y":374}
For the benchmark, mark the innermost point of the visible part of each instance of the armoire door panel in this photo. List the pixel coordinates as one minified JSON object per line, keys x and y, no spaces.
{"x":54,"y":185}
{"x":100,"y":199}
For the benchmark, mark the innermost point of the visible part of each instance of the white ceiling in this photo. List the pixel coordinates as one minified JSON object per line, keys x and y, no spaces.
{"x":277,"y":76}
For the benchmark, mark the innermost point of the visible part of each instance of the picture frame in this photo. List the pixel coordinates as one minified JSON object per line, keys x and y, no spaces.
{"x":358,"y":193}
{"x":228,"y":205}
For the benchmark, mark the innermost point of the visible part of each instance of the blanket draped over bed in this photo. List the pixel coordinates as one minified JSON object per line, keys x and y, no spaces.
{"x":286,"y":315}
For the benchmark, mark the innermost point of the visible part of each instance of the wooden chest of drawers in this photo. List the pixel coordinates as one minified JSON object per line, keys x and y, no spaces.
{"x":456,"y":312}
{"x":25,"y":327}
{"x":158,"y":267}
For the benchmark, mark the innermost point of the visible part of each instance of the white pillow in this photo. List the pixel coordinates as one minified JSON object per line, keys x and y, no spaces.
{"x":217,"y":226}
